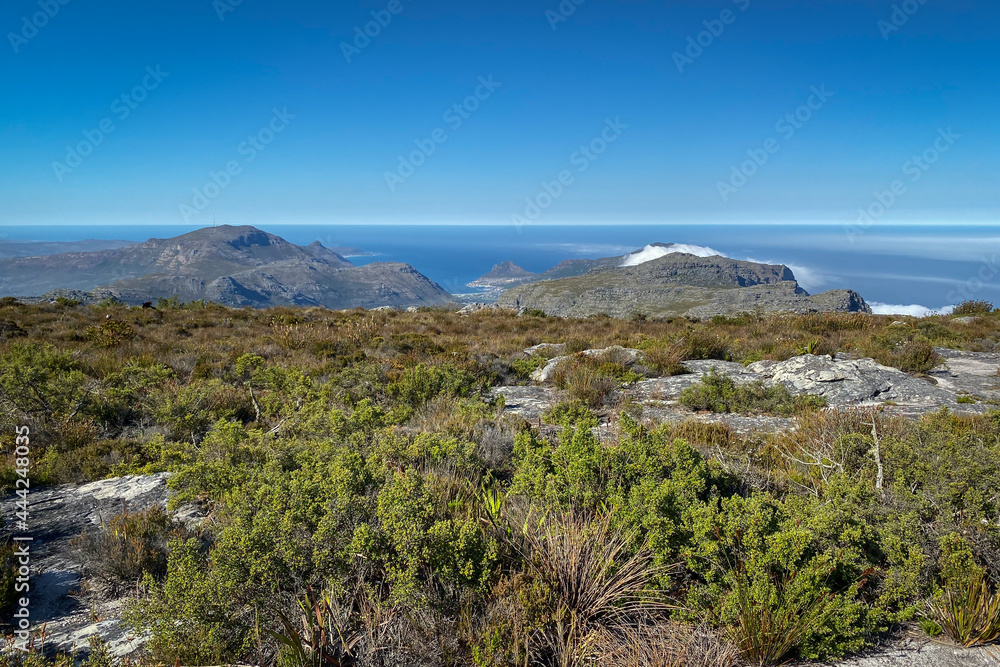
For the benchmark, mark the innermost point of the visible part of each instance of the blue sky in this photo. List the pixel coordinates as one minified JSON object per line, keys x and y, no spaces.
{"x":271,"y":81}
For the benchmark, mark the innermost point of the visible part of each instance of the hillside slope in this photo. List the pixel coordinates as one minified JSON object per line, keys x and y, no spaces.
{"x":235,"y":266}
{"x":678,"y":284}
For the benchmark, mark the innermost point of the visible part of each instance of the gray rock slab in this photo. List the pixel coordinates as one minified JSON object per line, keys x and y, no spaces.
{"x":529,"y":402}
{"x":923,"y":653}
{"x":56,"y":516}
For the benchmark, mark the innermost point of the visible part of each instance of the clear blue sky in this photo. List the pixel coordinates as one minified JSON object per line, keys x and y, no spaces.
{"x":607,"y":60}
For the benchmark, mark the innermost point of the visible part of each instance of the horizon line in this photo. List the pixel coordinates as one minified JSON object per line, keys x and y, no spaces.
{"x":785,"y":223}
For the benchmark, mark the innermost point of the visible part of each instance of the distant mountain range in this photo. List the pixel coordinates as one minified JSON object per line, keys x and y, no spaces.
{"x":235,"y":266}
{"x":36,"y":248}
{"x":665,"y":279}
{"x":244,"y":266}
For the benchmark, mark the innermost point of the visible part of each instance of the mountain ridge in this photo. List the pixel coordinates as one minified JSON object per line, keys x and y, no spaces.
{"x":231,"y":265}
{"x":676,"y":283}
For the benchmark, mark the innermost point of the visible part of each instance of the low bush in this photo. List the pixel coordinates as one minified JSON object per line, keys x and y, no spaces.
{"x":127,"y":549}
{"x":769,"y":623}
{"x":665,"y":359}
{"x":574,"y":413}
{"x":525,"y":366}
{"x":973,"y":307}
{"x":112,"y":333}
{"x":586,"y":383}
{"x":720,"y":393}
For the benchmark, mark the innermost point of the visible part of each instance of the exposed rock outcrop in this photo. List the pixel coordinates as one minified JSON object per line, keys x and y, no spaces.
{"x":843,"y":381}
{"x":56,"y":516}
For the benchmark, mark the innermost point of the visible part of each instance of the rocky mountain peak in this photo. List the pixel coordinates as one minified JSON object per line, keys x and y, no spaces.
{"x":504,"y":274}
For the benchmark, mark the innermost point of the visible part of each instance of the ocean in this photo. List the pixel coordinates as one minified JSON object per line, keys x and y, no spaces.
{"x":905,"y":268}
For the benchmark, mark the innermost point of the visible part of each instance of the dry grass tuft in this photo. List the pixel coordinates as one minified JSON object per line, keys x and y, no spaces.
{"x":664,"y":645}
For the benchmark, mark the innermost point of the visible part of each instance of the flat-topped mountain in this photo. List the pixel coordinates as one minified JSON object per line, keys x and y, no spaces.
{"x":673,"y":283}
{"x":504,"y":274}
{"x":237,"y":266}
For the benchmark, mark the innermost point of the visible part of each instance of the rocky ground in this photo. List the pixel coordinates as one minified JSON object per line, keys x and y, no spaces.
{"x":966,"y":382}
{"x":56,"y":516}
{"x":919,"y":652}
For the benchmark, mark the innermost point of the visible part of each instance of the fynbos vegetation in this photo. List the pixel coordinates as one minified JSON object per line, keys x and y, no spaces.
{"x":370,"y":502}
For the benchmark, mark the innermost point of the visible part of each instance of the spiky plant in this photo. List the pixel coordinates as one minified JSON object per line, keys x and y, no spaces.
{"x":597,"y":583}
{"x":968,"y":611}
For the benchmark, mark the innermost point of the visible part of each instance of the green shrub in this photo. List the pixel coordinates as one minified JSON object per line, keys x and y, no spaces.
{"x":794,"y":576}
{"x":574,"y":413}
{"x":8,"y":576}
{"x":525,"y":366}
{"x":720,"y":393}
{"x":699,"y":344}
{"x":188,"y":411}
{"x":902,"y":349}
{"x":772,"y":621}
{"x":973,"y":307}
{"x":111,"y":334}
{"x":421,"y":383}
{"x":41,"y":386}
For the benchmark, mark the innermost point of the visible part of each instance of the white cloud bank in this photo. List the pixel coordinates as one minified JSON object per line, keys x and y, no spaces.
{"x":651,"y":252}
{"x":806,"y":277}
{"x":912,"y":310}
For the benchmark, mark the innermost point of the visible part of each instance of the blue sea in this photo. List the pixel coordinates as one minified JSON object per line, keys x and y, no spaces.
{"x":901,"y":266}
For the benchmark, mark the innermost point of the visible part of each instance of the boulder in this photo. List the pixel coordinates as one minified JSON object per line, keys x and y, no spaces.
{"x":850,"y":381}
{"x":544,"y":374}
{"x":544,"y":349}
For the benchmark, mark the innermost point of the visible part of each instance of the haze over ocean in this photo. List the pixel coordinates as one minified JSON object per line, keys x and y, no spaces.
{"x":927,"y":265}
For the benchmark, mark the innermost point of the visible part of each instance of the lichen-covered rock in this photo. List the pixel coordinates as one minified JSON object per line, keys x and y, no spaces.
{"x":913,"y":652}
{"x":545,"y":349}
{"x":56,"y":516}
{"x":851,"y":381}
